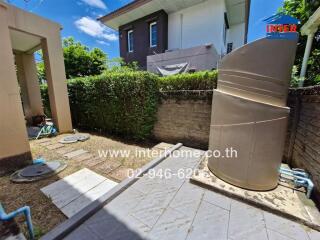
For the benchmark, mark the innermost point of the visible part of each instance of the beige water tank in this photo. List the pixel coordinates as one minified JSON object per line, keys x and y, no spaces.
{"x":249,"y":113}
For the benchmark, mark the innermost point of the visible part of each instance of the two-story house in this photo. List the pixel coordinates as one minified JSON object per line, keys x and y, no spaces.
{"x":158,"y":33}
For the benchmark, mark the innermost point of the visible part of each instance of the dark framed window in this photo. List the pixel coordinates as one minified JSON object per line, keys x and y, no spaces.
{"x":153,"y":29}
{"x":229,"y":47}
{"x":225,"y":28}
{"x":130,"y":41}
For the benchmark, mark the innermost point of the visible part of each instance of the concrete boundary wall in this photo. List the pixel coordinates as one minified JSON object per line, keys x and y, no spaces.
{"x":303,"y":138}
{"x":185,"y":117}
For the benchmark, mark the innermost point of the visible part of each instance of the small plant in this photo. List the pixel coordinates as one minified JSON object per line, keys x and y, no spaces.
{"x":38,"y":232}
{"x":295,"y":79}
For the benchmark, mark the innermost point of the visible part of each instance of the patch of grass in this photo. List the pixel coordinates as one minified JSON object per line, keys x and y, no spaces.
{"x":45,"y":215}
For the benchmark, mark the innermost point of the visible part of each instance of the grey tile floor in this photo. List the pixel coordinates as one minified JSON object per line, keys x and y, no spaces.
{"x":173,"y":208}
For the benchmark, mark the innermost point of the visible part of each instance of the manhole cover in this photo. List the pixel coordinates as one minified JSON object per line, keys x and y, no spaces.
{"x":82,"y":138}
{"x":74,"y":138}
{"x":40,"y":169}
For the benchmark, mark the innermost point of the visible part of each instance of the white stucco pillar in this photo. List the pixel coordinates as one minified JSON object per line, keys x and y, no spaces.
{"x":22,"y":84}
{"x":57,"y":83}
{"x":14,"y":146}
{"x":29,"y":84}
{"x":305,"y":59}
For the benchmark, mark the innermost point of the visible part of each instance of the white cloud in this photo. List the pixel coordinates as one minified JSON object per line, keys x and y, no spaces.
{"x":96,"y":3}
{"x":103,"y":42}
{"x":95,"y":29}
{"x":110,"y":36}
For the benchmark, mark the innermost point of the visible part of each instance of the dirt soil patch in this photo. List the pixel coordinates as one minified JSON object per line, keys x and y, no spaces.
{"x":111,"y":158}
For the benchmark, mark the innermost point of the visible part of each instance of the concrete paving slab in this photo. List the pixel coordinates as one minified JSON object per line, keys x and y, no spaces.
{"x":122,"y":229}
{"x":147,"y":184}
{"x":82,"y":234}
{"x":107,"y":166}
{"x":57,"y":187}
{"x":313,"y":235}
{"x":154,"y":204}
{"x":285,"y":227}
{"x":93,"y":161}
{"x":84,"y":157}
{"x":172,"y":225}
{"x":64,"y":150}
{"x":217,"y":199}
{"x":186,"y":202}
{"x":77,"y":190}
{"x":86,"y":198}
{"x":75,"y":153}
{"x":54,"y":146}
{"x":246,"y":222}
{"x":272,"y":235}
{"x":210,"y":222}
{"x":283,"y":200}
{"x":126,"y":202}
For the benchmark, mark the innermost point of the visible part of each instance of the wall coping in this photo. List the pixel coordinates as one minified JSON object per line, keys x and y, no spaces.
{"x":187,"y":94}
{"x":312,"y":90}
{"x":207,"y":94}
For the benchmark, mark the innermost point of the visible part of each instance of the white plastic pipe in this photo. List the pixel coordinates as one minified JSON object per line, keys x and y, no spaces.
{"x":305,"y":59}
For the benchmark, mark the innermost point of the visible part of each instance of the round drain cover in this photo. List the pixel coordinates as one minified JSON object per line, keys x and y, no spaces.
{"x":69,"y":139}
{"x":40,"y":169}
{"x":74,"y":138}
{"x":82,"y":137}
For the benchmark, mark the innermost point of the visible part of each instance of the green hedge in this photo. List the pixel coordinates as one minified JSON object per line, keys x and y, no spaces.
{"x":120,"y":103}
{"x":206,"y":80}
{"x":124,"y":103}
{"x":45,"y":100}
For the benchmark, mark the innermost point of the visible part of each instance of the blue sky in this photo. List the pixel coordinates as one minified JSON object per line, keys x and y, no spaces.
{"x":261,"y":9}
{"x":78,"y":19}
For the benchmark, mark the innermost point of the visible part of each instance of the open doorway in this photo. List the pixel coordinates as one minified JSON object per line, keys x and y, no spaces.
{"x":22,"y":34}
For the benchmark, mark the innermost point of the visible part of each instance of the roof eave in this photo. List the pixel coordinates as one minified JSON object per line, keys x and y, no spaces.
{"x":126,"y":8}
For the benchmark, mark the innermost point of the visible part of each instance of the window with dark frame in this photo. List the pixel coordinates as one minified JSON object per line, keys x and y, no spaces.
{"x":153,"y":30}
{"x":229,"y":47}
{"x":226,"y":27}
{"x":130,"y":41}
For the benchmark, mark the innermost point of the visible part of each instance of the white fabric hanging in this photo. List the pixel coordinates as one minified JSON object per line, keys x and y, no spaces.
{"x":173,"y":69}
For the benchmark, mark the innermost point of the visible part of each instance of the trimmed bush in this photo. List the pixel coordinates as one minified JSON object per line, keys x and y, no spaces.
{"x":45,"y":99}
{"x":206,"y":80}
{"x":125,"y":103}
{"x":120,"y":103}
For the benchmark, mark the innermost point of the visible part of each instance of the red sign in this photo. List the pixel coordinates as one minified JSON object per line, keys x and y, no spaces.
{"x":281,"y":28}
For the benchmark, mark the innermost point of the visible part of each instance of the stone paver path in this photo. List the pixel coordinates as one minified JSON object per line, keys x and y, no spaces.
{"x":87,"y":159}
{"x":75,"y":154}
{"x":173,"y":208}
{"x":55,"y":146}
{"x":65,"y":150}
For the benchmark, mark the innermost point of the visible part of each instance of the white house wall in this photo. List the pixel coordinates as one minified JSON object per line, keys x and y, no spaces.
{"x":236,"y":35}
{"x":197,"y":25}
